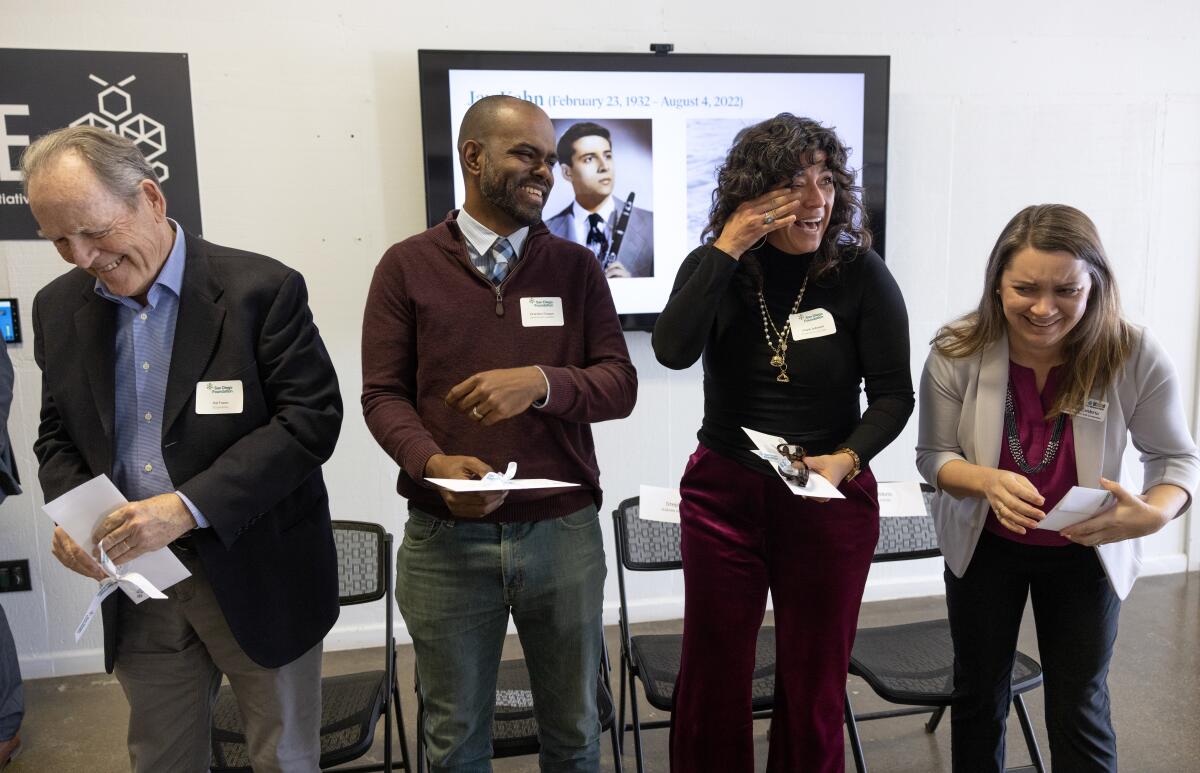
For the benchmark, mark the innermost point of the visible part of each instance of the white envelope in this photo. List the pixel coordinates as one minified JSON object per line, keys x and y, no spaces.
{"x":79,"y":511}
{"x":1079,"y":504}
{"x":767,"y":449}
{"x":499,"y":481}
{"x":455,"y":484}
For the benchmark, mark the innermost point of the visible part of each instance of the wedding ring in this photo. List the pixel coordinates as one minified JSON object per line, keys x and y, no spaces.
{"x":768,"y":219}
{"x":475,"y":413}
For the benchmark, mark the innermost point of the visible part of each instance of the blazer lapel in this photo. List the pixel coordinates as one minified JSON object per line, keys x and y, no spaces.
{"x":989,"y":403}
{"x":197,"y":330}
{"x":95,"y":326}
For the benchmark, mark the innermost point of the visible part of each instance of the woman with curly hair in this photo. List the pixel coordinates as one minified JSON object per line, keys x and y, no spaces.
{"x":791,"y":311}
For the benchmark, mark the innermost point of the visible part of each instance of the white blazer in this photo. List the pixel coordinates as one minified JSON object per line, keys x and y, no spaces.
{"x":962,"y":417}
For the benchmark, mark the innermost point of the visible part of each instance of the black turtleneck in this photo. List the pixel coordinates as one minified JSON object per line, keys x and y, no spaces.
{"x":712,"y":311}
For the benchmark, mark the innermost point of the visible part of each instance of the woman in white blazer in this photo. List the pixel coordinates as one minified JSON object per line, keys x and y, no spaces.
{"x":1037,"y":391}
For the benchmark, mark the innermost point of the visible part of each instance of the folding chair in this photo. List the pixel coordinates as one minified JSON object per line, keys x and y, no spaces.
{"x":912,"y":664}
{"x":351,"y":705}
{"x":514,"y":727}
{"x":653,"y":546}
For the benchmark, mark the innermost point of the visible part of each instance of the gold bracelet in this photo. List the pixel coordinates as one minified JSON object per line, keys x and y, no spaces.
{"x":853,"y":457}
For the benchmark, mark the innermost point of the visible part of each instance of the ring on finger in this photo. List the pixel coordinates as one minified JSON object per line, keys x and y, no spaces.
{"x":768,"y":219}
{"x":476,"y":414}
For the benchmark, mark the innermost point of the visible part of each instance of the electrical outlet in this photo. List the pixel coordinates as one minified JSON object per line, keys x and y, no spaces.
{"x":14,"y":576}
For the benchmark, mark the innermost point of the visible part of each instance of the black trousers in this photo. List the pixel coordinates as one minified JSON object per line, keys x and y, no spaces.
{"x":1075,"y":610}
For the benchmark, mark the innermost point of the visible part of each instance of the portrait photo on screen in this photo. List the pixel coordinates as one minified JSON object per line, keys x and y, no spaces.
{"x":603,"y":192}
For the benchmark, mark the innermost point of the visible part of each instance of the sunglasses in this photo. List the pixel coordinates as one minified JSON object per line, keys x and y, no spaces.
{"x":793,"y":455}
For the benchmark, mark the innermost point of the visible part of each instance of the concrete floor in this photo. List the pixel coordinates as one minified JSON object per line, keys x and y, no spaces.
{"x":79,"y":723}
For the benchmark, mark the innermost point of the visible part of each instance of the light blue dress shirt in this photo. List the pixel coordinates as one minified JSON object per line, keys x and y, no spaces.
{"x":145,"y":338}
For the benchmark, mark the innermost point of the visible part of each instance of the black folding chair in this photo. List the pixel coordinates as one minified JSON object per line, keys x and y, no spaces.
{"x":514,"y":726}
{"x":351,"y":705}
{"x":653,"y":546}
{"x":912,"y":664}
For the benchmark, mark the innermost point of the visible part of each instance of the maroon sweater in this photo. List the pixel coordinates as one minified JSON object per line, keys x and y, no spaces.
{"x":431,"y":321}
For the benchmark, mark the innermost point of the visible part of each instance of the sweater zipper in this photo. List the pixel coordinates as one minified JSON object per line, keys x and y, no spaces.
{"x":500,"y":292}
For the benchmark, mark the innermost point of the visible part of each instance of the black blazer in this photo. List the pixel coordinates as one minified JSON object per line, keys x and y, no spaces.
{"x":256,"y":476}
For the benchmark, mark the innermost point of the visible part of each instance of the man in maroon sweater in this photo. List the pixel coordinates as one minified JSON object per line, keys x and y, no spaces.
{"x":486,"y":340}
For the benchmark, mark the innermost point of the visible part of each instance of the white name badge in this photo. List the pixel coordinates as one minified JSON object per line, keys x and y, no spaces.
{"x":541,"y":312}
{"x":214,"y":397}
{"x":813,"y":323}
{"x":1096,"y":410}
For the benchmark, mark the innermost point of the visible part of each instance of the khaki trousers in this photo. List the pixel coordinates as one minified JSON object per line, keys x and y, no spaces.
{"x":169,"y":661}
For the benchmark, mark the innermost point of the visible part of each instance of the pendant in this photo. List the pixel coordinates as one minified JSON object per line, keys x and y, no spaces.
{"x":777,"y":361}
{"x":782,"y":377}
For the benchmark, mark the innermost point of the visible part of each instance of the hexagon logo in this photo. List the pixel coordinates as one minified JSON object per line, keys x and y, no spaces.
{"x":115,"y":103}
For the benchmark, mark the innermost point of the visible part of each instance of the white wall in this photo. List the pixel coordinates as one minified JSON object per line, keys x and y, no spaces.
{"x":307,"y":129}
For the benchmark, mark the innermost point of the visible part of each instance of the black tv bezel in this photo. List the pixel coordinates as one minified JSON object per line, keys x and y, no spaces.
{"x":15,"y":305}
{"x":437,"y":134}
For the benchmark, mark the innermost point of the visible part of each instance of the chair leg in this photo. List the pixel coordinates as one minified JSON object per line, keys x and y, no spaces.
{"x":1035,"y":754}
{"x":388,"y":708}
{"x":932,"y":724}
{"x":860,"y":762}
{"x":637,"y":723}
{"x":618,"y":767}
{"x":621,"y":706}
{"x":401,"y":733}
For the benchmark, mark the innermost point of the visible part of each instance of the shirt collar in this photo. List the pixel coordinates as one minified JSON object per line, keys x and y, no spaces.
{"x":605,"y":211}
{"x":482,"y":238}
{"x":170,"y":276}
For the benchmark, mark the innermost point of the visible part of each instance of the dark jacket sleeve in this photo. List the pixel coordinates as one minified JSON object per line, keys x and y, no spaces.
{"x":61,"y":466}
{"x":883,"y":350}
{"x":685,"y":323}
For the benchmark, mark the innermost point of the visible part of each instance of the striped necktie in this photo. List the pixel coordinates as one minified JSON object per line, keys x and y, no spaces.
{"x":503,"y":254}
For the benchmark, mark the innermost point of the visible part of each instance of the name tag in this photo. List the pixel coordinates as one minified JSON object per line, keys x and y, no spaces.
{"x":1096,"y":410}
{"x":541,"y":312}
{"x":213,"y":397}
{"x":813,"y":323}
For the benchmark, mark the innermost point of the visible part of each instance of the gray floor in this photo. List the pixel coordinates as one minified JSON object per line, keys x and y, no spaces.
{"x":78,"y":723}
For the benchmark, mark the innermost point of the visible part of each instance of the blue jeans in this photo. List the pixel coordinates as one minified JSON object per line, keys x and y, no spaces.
{"x":456,"y":583}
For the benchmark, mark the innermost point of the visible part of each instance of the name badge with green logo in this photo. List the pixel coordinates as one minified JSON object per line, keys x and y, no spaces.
{"x":541,"y":312}
{"x":213,"y":397}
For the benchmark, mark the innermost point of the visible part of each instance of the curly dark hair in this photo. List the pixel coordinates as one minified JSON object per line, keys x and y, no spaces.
{"x":766,"y":156}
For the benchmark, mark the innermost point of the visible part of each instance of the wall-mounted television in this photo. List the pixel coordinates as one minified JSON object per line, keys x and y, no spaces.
{"x":667,"y":122}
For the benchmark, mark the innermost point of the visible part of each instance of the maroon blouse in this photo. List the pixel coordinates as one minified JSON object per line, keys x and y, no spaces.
{"x":1055,"y":479}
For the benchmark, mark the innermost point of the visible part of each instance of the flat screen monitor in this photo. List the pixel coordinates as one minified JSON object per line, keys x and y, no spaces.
{"x":667,"y":123}
{"x":10,"y":321}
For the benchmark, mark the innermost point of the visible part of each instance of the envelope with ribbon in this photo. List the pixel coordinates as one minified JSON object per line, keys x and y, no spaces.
{"x":499,"y":481}
{"x":78,"y":512}
{"x":766,"y":448}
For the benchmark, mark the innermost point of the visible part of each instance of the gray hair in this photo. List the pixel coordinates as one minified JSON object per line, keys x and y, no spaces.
{"x":115,"y":160}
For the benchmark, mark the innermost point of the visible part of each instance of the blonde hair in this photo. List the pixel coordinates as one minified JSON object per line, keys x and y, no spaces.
{"x":1096,"y":348}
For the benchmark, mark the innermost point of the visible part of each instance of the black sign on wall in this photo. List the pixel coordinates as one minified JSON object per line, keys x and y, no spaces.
{"x":145,"y":97}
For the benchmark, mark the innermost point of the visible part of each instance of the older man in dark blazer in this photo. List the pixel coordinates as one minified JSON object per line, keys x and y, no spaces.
{"x":194,"y":376}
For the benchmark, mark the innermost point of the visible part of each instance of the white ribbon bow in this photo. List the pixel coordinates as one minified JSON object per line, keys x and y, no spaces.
{"x":133,"y":583}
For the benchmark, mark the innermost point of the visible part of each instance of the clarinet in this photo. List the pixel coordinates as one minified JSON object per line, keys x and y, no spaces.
{"x":619,"y":227}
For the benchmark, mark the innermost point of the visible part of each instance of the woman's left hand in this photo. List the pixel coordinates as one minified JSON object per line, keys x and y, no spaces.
{"x":832,"y":467}
{"x":1131,"y":517}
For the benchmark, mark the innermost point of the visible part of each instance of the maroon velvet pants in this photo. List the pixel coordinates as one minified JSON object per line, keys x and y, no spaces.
{"x":745,"y":533}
